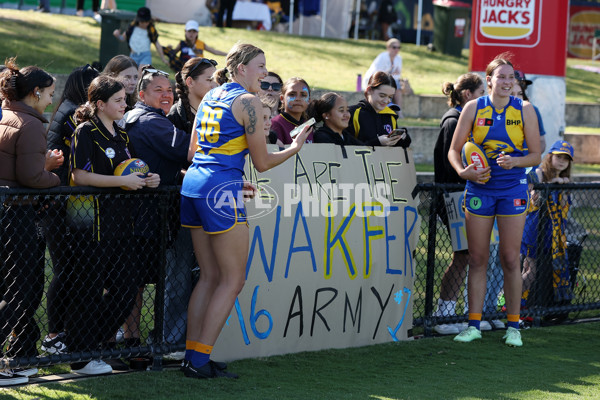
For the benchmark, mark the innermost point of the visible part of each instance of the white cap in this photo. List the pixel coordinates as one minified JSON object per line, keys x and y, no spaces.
{"x":191,"y":25}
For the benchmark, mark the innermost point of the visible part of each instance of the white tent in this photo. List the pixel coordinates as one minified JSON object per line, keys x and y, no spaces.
{"x":333,"y":22}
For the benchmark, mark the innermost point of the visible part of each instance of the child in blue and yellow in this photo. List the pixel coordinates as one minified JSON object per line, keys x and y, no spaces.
{"x":507,"y":129}
{"x":555,"y":168}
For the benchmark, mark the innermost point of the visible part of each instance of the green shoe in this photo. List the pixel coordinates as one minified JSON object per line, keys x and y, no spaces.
{"x":468,"y":335}
{"x":513,"y":337}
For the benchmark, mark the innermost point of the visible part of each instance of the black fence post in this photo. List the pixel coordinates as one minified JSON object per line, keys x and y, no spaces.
{"x":159,"y":297}
{"x":431,"y":236}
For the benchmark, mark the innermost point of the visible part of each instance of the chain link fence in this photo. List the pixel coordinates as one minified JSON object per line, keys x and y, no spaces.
{"x":559,"y":265}
{"x":90,"y":273}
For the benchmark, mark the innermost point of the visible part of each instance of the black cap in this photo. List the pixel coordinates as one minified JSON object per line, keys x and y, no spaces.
{"x":520,"y":76}
{"x":143,"y":14}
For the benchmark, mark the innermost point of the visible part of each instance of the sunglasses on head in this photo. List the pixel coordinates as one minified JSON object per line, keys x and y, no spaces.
{"x":203,"y":61}
{"x":154,"y":71}
{"x":89,"y":67}
{"x":276,"y":86}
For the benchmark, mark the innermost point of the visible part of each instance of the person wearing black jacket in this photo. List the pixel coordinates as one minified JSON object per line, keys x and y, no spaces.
{"x":192,"y":83}
{"x":467,"y":87}
{"x":332,"y":110}
{"x":58,"y":239}
{"x":373,"y":119}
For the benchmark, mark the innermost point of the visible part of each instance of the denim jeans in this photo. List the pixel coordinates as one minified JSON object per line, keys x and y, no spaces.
{"x":142,"y":58}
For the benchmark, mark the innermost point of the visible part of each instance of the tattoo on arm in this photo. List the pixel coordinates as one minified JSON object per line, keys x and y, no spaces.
{"x":249,"y":108}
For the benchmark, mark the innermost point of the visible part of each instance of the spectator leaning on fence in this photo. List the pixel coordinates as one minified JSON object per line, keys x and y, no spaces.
{"x":555,"y":168}
{"x":58,"y":239}
{"x":126,"y":70}
{"x":373,"y":119}
{"x":332,"y":110}
{"x":220,"y":242}
{"x":106,"y":270}
{"x":467,"y":87}
{"x":24,"y":162}
{"x":504,"y":126}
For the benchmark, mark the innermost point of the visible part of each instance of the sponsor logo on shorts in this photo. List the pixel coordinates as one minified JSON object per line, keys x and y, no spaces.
{"x":520,"y":202}
{"x":475,"y":203}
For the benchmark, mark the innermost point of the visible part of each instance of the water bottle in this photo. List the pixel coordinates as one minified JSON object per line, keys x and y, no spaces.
{"x":359,"y":83}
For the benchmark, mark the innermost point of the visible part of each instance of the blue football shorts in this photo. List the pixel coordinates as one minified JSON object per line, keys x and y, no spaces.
{"x":214,"y":215}
{"x":507,"y":203}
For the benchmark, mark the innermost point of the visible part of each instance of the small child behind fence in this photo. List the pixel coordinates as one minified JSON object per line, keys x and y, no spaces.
{"x":139,"y":36}
{"x":555,"y":168}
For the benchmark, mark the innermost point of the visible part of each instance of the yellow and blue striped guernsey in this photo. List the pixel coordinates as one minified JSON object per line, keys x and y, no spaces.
{"x":222,"y":145}
{"x":500,"y":130}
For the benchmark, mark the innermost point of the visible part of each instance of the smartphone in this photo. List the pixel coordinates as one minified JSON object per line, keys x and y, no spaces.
{"x":299,"y":128}
{"x":398,"y":132}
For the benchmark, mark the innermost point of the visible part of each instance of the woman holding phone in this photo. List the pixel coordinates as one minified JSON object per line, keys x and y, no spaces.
{"x":373,"y":119}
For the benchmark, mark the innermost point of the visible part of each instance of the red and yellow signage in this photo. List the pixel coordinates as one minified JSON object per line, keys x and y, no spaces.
{"x":584,"y":21}
{"x":535,"y":31}
{"x":514,"y":20}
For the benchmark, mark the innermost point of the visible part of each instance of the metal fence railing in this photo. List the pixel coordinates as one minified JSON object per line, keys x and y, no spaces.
{"x":561,"y":287}
{"x":107,"y":272}
{"x":110,"y":272}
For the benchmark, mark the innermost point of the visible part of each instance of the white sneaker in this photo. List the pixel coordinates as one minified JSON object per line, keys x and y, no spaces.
{"x":446,"y":329}
{"x":485,"y":326}
{"x":498,"y":324}
{"x":94,"y":367}
{"x":8,"y":378}
{"x":25,"y":371}
{"x":176,"y":355}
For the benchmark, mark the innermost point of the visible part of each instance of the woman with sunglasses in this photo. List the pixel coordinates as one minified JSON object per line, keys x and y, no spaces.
{"x":270,"y":87}
{"x":164,"y":148}
{"x":192,"y":83}
{"x":157,"y":141}
{"x":389,"y":62}
{"x":225,"y":135}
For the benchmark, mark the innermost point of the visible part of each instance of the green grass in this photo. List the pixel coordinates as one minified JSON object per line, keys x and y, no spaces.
{"x":554,"y":363}
{"x":59,"y":43}
{"x":579,"y":169}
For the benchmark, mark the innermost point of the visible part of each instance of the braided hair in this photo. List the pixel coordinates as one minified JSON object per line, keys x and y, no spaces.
{"x":193,"y":68}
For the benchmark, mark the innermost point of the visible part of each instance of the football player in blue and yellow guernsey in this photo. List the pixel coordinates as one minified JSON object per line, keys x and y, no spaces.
{"x":507,"y":129}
